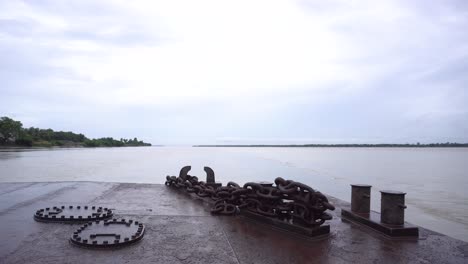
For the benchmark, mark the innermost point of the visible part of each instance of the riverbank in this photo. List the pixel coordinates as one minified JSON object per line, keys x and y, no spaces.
{"x":12,"y":133}
{"x":179,"y":229}
{"x":89,"y":143}
{"x":64,"y":147}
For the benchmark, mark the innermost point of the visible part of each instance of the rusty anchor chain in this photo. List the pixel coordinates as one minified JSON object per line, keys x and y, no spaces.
{"x":286,"y":200}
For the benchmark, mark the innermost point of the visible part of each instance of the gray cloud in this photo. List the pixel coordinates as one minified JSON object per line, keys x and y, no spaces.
{"x":393,"y":71}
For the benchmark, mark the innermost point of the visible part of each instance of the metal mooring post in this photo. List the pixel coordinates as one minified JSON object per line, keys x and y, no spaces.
{"x":360,"y":198}
{"x":392,"y":207}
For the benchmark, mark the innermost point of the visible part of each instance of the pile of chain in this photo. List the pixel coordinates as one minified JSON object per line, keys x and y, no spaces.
{"x":288,"y":200}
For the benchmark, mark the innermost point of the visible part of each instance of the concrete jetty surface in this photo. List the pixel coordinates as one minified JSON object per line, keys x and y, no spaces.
{"x":181,"y":230}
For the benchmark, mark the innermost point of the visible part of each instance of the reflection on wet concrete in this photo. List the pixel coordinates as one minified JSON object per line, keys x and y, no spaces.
{"x":180,"y":230}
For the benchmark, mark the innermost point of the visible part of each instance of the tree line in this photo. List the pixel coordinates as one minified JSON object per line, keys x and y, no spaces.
{"x":12,"y":133}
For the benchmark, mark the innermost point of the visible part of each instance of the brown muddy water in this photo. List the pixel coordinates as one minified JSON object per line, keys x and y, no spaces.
{"x":435,"y":179}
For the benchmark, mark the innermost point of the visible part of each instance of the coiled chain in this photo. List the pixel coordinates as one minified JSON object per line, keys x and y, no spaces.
{"x":286,"y":200}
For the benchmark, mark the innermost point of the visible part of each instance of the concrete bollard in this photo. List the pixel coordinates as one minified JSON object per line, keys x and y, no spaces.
{"x":393,"y":207}
{"x":360,"y":198}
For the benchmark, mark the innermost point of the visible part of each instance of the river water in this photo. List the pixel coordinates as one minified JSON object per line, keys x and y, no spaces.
{"x":435,"y":179}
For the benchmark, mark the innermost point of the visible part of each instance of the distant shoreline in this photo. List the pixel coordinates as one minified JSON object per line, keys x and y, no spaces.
{"x":431,"y":145}
{"x":12,"y":134}
{"x":4,"y":147}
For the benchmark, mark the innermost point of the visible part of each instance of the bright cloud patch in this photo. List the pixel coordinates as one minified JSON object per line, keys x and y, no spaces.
{"x":254,"y":71}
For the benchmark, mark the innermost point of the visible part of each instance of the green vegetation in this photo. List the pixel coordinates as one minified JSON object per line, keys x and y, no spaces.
{"x":417,"y":145}
{"x":110,"y":142}
{"x":12,"y":133}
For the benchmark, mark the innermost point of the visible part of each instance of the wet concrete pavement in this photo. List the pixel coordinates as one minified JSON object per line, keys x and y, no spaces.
{"x":181,"y":230}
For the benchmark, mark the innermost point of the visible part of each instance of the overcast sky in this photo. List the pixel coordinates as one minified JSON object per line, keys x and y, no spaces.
{"x":197,"y":72}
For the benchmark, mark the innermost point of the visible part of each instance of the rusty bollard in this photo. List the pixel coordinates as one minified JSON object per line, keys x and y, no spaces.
{"x":360,"y":198}
{"x":392,"y":207}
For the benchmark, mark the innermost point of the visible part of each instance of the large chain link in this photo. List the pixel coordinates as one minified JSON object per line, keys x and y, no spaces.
{"x":286,"y":200}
